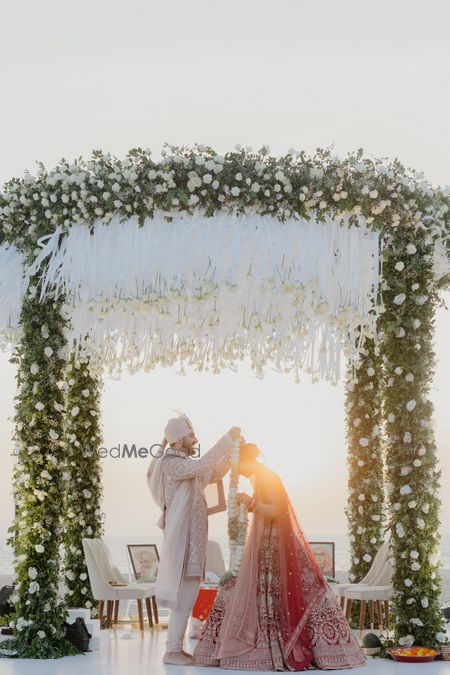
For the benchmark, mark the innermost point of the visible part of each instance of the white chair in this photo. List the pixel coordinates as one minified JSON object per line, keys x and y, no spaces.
{"x":102,"y":576}
{"x":376,"y":587}
{"x":376,"y":568}
{"x":214,"y":558}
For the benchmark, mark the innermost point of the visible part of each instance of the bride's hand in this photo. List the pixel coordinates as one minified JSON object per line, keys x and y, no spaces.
{"x":244,"y":498}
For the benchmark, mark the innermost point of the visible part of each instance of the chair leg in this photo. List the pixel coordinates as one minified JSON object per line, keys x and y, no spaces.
{"x":109,"y":609}
{"x":342,"y":602}
{"x":149,"y":612}
{"x":362,"y":616}
{"x":141,"y":617}
{"x":371,"y":614}
{"x":116,"y":611}
{"x":380,"y":616}
{"x":155,"y":609}
{"x":101,"y":606}
{"x":348,"y":609}
{"x":386,"y":615}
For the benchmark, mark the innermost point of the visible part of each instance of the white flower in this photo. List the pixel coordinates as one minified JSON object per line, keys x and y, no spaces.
{"x":85,"y":392}
{"x":415,"y":566}
{"x":235,"y":191}
{"x":407,"y":438}
{"x":424,"y":602}
{"x":408,"y":582}
{"x":70,"y":575}
{"x":48,"y":351}
{"x":363,"y":442}
{"x":41,"y":634}
{"x":416,"y":323}
{"x":83,"y":576}
{"x":367,"y":557}
{"x":356,"y":422}
{"x":391,"y":417}
{"x":370,"y":372}
{"x":400,"y":530}
{"x":207,"y":178}
{"x":411,"y":405}
{"x":34,"y":368}
{"x":375,"y":518}
{"x":416,"y":621}
{"x":39,"y":548}
{"x":406,"y":641}
{"x":32,"y":572}
{"x":405,"y":490}
{"x":411,"y":249}
{"x":414,"y":554}
{"x":441,"y":637}
{"x":39,"y":405}
{"x":75,"y":410}
{"x":400,"y":299}
{"x":53,"y":435}
{"x":399,"y":266}
{"x":420,"y":523}
{"x":361,"y":497}
{"x":87,"y":494}
{"x":33,"y":587}
{"x":409,"y":377}
{"x":421,"y":451}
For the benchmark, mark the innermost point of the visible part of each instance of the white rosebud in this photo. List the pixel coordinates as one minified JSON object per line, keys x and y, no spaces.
{"x":400,"y":299}
{"x":85,"y":392}
{"x":414,"y":554}
{"x":39,"y":548}
{"x":360,"y":462}
{"x":39,"y":406}
{"x":420,"y":523}
{"x":356,"y":422}
{"x":416,"y":323}
{"x":407,"y":438}
{"x":411,"y":405}
{"x":411,"y":249}
{"x":34,"y":368}
{"x":409,"y":377}
{"x":48,"y":351}
{"x":53,"y":435}
{"x":424,"y":602}
{"x":367,"y":557}
{"x":408,"y":582}
{"x":361,"y":497}
{"x":363,"y":442}
{"x":41,"y":634}
{"x":391,"y":417}
{"x":400,"y":530}
{"x":399,"y":266}
{"x":235,"y":191}
{"x":417,"y":621}
{"x":370,"y":372}
{"x":75,"y":410}
{"x":32,"y":572}
{"x":405,"y":490}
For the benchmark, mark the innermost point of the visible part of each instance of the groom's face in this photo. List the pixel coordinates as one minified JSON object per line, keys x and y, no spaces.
{"x":189,"y":441}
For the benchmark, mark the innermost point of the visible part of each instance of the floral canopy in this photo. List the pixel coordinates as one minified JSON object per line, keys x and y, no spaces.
{"x":304,"y":263}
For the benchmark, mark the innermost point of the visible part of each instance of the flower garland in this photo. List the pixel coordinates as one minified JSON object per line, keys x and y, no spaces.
{"x":83,"y":515}
{"x":237,"y":519}
{"x":365,"y":502}
{"x":413,"y":474}
{"x":38,"y":485}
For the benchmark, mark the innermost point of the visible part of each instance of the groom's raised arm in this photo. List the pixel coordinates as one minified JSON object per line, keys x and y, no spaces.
{"x":203,"y":467}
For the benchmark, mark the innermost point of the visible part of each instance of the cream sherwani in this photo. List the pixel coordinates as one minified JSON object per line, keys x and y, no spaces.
{"x":178,"y":486}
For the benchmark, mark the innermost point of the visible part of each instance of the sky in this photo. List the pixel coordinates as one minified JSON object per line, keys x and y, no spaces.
{"x":301,"y":74}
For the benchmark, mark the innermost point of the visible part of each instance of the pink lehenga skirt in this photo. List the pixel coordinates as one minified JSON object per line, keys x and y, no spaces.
{"x":333,"y":644}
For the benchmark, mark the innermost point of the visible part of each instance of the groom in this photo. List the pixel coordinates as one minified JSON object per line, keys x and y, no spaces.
{"x":177,"y":484}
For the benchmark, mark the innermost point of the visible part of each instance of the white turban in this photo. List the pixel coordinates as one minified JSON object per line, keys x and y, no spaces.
{"x":177,"y":428}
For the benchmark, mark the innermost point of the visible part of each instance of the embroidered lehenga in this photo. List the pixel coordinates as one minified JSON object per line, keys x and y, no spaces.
{"x":278,"y":613}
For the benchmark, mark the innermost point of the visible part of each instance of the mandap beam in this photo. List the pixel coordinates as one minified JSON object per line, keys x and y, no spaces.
{"x":412,"y":471}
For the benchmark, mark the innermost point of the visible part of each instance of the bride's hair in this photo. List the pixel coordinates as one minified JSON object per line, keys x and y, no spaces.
{"x":248,"y":452}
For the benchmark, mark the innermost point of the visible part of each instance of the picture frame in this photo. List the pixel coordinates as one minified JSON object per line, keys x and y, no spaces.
{"x":324,"y":553}
{"x":144,"y":560}
{"x":215,"y":497}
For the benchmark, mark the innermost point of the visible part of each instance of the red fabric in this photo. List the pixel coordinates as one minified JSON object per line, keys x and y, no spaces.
{"x":301,"y":581}
{"x":203,"y":604}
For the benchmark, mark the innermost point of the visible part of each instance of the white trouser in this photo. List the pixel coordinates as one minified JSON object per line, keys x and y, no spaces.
{"x":179,"y":616}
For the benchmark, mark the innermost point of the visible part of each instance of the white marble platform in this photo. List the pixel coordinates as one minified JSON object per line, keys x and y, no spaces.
{"x":124,"y":652}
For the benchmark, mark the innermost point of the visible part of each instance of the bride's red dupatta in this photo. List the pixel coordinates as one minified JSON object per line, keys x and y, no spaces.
{"x":301,"y":584}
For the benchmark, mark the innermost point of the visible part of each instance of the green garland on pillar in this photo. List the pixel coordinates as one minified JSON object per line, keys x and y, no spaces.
{"x":83,"y":514}
{"x":38,"y":482}
{"x":412,"y":473}
{"x":365,"y":502}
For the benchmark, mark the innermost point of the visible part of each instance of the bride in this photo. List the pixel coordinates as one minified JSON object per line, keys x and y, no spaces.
{"x":278,"y":613}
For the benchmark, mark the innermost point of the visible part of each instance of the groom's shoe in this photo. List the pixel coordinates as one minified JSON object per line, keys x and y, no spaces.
{"x":178,"y":659}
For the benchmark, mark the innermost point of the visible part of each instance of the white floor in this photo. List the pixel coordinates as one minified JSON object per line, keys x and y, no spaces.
{"x":124,"y":652}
